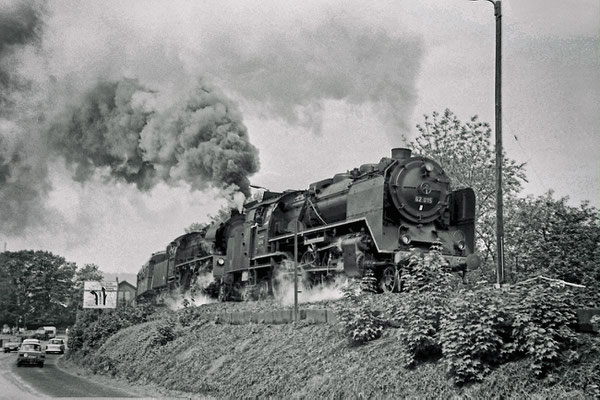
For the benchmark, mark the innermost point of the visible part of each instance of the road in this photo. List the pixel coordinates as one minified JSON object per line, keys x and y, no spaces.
{"x":31,"y":382}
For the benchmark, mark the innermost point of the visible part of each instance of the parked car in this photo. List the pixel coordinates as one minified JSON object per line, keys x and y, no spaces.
{"x":31,"y":353}
{"x":11,"y":345}
{"x":56,"y":346}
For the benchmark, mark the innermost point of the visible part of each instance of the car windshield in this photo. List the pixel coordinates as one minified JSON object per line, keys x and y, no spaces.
{"x":56,"y":341}
{"x":31,"y":347}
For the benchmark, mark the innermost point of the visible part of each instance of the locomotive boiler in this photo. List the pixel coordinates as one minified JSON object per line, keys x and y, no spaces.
{"x":366,"y":219}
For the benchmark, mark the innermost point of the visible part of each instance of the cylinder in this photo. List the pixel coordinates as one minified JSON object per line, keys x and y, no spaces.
{"x":401,"y":153}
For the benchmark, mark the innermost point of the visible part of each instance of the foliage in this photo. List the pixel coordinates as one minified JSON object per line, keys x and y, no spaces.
{"x":473,"y":335}
{"x":427,"y":272}
{"x":541,"y":316}
{"x":549,"y":237}
{"x":163,"y":333}
{"x":93,"y":327}
{"x":368,"y":282}
{"x":543,"y":236}
{"x":41,"y":288}
{"x":190,"y":317}
{"x":475,"y":329}
{"x":465,"y":152}
{"x":310,"y":361}
{"x":37,"y":287}
{"x":486,"y":327}
{"x":359,"y":323}
{"x":426,"y":281}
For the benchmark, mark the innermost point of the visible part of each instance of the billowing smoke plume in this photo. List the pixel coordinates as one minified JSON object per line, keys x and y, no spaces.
{"x":289,"y":68}
{"x":23,"y":171}
{"x":20,"y":26}
{"x":292,"y":75}
{"x":23,"y":183}
{"x":117,"y":131}
{"x":200,"y":140}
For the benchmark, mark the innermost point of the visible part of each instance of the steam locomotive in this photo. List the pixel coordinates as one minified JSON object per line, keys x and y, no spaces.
{"x":366,"y":219}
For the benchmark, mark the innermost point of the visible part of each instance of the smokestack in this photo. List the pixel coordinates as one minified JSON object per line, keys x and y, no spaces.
{"x":401,"y":153}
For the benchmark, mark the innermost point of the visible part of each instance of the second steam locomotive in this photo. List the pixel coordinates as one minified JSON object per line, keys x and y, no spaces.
{"x":366,"y":219}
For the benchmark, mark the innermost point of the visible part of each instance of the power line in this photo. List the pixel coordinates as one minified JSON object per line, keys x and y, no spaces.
{"x":527,"y":154}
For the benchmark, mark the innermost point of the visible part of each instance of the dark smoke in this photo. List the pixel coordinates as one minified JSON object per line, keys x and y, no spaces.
{"x":23,"y":187}
{"x":20,"y":25}
{"x":23,"y":172}
{"x":200,"y":140}
{"x":291,"y":76}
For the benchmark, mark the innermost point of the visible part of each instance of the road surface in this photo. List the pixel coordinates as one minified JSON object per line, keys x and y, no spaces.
{"x":32,"y":382}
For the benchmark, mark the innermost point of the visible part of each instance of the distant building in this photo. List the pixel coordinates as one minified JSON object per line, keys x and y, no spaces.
{"x":125,"y":294}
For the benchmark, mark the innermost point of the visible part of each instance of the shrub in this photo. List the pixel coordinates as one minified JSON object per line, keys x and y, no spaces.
{"x":359,"y":323}
{"x":476,"y":329}
{"x":163,"y":333}
{"x":426,"y":282}
{"x":485,"y":327}
{"x":428,"y":273}
{"x":473,"y":335}
{"x":419,"y":319}
{"x":93,"y":327}
{"x":541,"y":316}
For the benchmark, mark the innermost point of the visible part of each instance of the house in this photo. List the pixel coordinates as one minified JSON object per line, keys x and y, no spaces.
{"x":125,"y":294}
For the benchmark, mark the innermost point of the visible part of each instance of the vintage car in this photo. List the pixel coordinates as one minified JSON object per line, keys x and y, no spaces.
{"x":56,"y":346}
{"x":11,"y":345}
{"x":31,"y":353}
{"x":45,"y":332}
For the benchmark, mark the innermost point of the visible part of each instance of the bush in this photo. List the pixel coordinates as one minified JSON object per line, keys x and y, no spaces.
{"x":474,"y":330}
{"x":93,"y":327}
{"x":473,"y":335}
{"x":359,"y":323}
{"x":427,"y":273}
{"x":163,"y":333}
{"x":541,"y":316}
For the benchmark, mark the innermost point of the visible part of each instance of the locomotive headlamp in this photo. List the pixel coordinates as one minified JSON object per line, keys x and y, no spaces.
{"x":405,"y":239}
{"x":428,"y":167}
{"x":220,"y":261}
{"x":460,"y":245}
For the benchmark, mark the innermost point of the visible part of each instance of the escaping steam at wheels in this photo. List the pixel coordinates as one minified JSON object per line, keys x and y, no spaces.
{"x":361,"y":222}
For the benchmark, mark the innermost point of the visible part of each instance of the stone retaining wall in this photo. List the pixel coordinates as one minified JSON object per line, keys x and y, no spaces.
{"x":315,"y":316}
{"x":325,"y":316}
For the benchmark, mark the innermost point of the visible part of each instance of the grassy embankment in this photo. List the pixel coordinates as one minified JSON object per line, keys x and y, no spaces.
{"x":309,"y":361}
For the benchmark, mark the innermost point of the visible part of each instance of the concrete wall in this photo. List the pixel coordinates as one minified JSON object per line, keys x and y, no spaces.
{"x":315,"y":316}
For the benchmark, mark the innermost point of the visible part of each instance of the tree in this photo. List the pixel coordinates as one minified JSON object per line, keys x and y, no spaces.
{"x":39,"y":287}
{"x":547,"y":236}
{"x":465,"y":152}
{"x":543,"y":236}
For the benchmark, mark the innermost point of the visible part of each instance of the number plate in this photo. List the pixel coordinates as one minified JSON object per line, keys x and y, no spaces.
{"x":424,"y":200}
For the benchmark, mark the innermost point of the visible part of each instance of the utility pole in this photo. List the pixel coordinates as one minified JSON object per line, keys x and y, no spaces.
{"x":498,"y":136}
{"x":296,"y":271}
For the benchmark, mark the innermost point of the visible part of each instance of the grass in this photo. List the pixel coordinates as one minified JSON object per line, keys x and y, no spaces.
{"x":305,"y":361}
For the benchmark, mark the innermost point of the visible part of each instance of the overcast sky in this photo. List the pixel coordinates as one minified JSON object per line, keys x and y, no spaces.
{"x":312,"y":88}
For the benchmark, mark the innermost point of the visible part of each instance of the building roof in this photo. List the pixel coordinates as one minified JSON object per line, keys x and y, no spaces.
{"x":123,"y":284}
